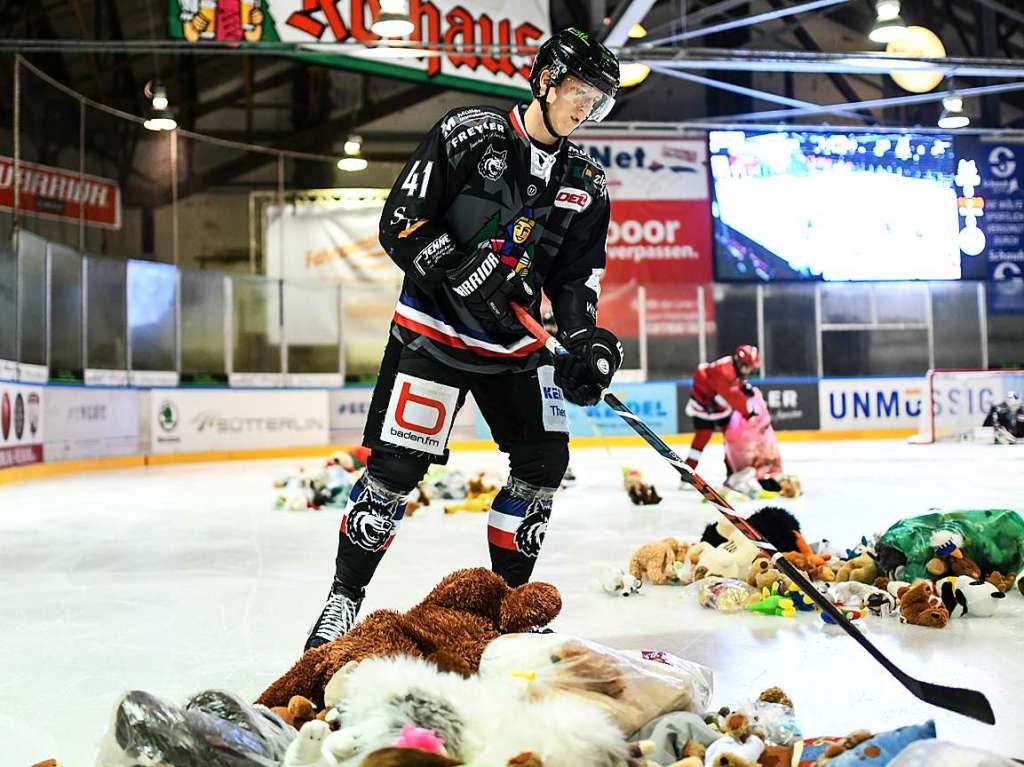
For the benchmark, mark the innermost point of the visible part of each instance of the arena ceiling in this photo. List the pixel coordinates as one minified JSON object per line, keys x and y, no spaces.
{"x":719,"y":66}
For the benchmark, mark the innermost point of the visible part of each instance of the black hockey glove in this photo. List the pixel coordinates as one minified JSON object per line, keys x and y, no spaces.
{"x":594,"y":356}
{"x":487,"y":286}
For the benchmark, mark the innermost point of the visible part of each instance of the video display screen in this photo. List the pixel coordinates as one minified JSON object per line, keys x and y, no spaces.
{"x":833,"y":206}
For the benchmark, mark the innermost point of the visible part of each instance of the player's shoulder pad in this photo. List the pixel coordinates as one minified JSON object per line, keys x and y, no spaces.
{"x":586,"y":172}
{"x":467,"y":125}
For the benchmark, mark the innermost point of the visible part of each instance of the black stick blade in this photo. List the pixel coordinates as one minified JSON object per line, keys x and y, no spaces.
{"x":970,"y":703}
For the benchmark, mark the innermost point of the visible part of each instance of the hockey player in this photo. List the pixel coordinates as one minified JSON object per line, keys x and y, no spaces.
{"x":494,"y":206}
{"x":1008,"y":419}
{"x":719,"y":388}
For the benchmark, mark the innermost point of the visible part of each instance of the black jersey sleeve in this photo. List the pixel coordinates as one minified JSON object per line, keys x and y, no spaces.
{"x":574,"y":282}
{"x":412,"y":229}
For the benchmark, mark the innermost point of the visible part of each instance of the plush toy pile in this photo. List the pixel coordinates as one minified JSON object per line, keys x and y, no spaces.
{"x":923,"y":570}
{"x":326,"y":487}
{"x":457,"y":680}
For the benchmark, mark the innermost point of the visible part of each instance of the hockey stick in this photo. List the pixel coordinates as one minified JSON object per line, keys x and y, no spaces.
{"x":969,"y":703}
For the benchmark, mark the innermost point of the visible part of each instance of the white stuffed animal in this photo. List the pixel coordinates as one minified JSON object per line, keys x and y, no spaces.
{"x":751,"y":750}
{"x":305,"y":750}
{"x":614,"y":580}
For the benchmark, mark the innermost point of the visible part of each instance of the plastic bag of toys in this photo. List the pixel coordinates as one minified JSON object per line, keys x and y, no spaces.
{"x":993,"y":539}
{"x":634,"y":687}
{"x":751,"y":442}
{"x":212,"y":729}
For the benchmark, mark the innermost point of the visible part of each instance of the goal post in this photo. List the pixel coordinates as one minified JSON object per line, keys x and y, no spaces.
{"x":955,"y":401}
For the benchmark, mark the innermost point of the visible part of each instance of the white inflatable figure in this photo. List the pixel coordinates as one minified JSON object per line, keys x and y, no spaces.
{"x":615,"y":580}
{"x":305,"y":750}
{"x":751,"y":750}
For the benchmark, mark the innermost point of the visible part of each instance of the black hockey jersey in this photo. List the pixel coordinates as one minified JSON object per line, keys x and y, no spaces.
{"x":478,"y":176}
{"x":1012,"y":421}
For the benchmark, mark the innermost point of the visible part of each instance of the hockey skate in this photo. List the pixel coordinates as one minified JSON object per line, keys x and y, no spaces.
{"x":337,"y":618}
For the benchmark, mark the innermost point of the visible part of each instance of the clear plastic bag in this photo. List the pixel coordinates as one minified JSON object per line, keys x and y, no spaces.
{"x":213,"y":729}
{"x":727,"y":595}
{"x":633,"y":686}
{"x":776,"y":720}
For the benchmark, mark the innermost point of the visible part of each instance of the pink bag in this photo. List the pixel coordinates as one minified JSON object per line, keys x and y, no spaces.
{"x":751,"y":442}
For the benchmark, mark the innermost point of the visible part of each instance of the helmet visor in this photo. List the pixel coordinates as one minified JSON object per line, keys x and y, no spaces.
{"x":584,"y":97}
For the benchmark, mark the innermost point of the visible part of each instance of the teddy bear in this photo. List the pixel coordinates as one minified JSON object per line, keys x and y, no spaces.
{"x":862,"y":568}
{"x":949,"y":558}
{"x":450,"y":627}
{"x":763,"y":574}
{"x":921,"y":606}
{"x":737,"y":747}
{"x":298,"y":711}
{"x":653,"y":561}
{"x":1002,"y":582}
{"x":816,"y":572}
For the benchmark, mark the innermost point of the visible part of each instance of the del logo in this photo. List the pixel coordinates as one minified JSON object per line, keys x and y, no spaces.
{"x":420,"y":414}
{"x":573,"y":199}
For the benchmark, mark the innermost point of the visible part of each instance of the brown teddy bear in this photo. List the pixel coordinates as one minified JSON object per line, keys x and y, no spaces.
{"x":298,"y":711}
{"x":862,"y":569}
{"x":940,"y":567}
{"x":1002,"y":582}
{"x":763,"y":574}
{"x":816,"y":572}
{"x":450,"y":627}
{"x":653,"y":561}
{"x":921,"y":606}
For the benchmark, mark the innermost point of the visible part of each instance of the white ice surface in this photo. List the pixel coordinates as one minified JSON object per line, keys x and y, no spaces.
{"x":180,"y":578}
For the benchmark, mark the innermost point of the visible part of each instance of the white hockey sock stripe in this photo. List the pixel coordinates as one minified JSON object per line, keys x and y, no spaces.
{"x":694,"y":454}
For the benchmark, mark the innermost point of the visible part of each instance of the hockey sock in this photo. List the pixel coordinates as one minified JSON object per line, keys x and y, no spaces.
{"x":700,"y":440}
{"x":515,"y":529}
{"x":369,"y":524}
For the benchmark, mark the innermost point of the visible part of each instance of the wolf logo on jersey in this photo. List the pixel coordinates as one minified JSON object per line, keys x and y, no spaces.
{"x":492,"y":164}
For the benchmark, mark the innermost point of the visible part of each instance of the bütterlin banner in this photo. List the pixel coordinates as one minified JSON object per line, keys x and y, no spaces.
{"x":184,"y":421}
{"x":660,"y":228}
{"x":21,"y":424}
{"x":518,"y":26}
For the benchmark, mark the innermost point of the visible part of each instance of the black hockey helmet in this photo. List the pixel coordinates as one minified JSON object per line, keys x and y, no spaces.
{"x":571,"y":51}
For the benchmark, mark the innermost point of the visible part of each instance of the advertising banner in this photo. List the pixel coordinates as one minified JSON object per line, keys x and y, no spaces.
{"x":350,"y":408}
{"x":660,"y":228}
{"x":59,"y":193}
{"x":990,"y":188}
{"x":870,"y":403}
{"x":440,"y":22}
{"x":792,"y":404}
{"x":21,"y":424}
{"x":193,"y":421}
{"x":89,"y":423}
{"x":653,"y":402}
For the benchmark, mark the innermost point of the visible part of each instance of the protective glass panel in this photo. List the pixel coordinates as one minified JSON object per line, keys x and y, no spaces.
{"x":8,"y":304}
{"x":256,"y":321}
{"x":311,"y":327}
{"x":366,"y":316}
{"x":202,"y":325}
{"x":151,"y":321}
{"x":789,"y":337}
{"x":673,"y":330}
{"x":845,"y":303}
{"x":1005,"y":341}
{"x":874,"y":352}
{"x":106,"y":313}
{"x":32,"y":298}
{"x":65,"y":312}
{"x":901,"y":302}
{"x":735,"y":319}
{"x":957,"y":328}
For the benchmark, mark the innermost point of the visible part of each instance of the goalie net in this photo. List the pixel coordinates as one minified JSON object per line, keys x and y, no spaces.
{"x":955,"y":402}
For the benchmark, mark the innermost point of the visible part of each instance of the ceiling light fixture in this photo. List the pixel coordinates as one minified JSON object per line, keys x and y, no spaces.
{"x":393,"y":19}
{"x":888,"y":24}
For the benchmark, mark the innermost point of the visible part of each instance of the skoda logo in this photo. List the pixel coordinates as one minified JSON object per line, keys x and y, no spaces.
{"x":168,"y":416}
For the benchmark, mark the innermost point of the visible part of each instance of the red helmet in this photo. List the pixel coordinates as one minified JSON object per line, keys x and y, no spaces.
{"x":747,"y":355}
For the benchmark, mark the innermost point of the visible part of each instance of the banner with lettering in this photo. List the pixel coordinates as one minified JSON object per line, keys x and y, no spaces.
{"x":61,"y":194}
{"x":521,"y":26}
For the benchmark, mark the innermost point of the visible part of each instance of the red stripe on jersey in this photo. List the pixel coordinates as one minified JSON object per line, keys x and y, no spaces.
{"x":501,"y":539}
{"x":514,"y":115}
{"x":457,"y":343}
